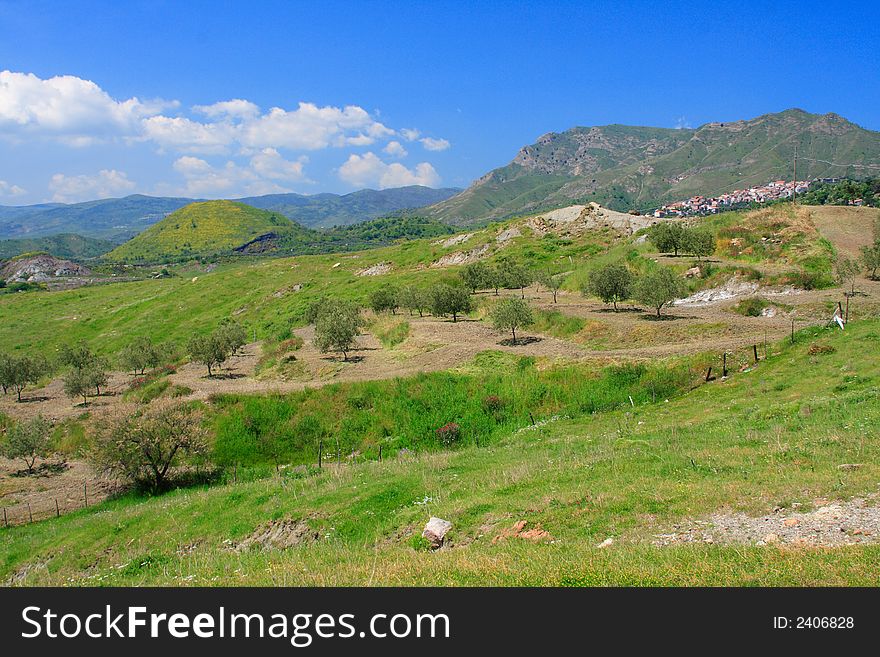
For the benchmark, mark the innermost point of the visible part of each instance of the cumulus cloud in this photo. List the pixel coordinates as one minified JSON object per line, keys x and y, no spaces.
{"x":369,"y":170}
{"x":410,"y":134}
{"x":8,"y":189}
{"x":235,"y":108}
{"x":266,"y":173}
{"x":104,"y":184}
{"x":395,"y":149}
{"x":67,"y":108}
{"x":434,"y":144}
{"x":185,"y":135}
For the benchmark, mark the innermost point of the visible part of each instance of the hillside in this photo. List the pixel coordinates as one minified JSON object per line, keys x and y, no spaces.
{"x":118,"y":219}
{"x":326,"y":210}
{"x":625,"y":167}
{"x":66,"y":245}
{"x":114,"y":219}
{"x":202,"y":229}
{"x":717,"y":487}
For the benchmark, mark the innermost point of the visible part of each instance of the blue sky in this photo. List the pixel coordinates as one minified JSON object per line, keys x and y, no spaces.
{"x":109,"y":98}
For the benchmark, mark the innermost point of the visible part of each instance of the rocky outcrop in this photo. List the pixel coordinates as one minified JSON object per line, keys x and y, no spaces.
{"x":40,"y":269}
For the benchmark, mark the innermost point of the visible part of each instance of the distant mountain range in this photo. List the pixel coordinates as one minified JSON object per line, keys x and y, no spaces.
{"x":119,"y":219}
{"x":626,"y":167}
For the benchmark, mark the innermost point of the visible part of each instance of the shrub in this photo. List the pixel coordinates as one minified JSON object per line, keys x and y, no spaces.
{"x":449,"y":433}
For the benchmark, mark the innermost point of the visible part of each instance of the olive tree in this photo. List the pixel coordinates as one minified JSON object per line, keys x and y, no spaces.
{"x":24,"y":370}
{"x":870,"y":256}
{"x":80,"y":382}
{"x":140,"y":354}
{"x":384,"y":299}
{"x":514,"y":275}
{"x":610,"y":283}
{"x":337,"y":327}
{"x":450,"y":300}
{"x":846,"y":270}
{"x":209,"y":350}
{"x":143,"y":444}
{"x":27,"y":441}
{"x":668,"y":236}
{"x":233,"y":334}
{"x":552,"y":281}
{"x":659,"y":287}
{"x":414,"y":299}
{"x":699,"y":242}
{"x":476,"y":276}
{"x":511,"y":314}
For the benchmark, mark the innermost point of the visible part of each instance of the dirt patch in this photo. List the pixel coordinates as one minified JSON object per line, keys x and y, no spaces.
{"x":519,"y":530}
{"x":855,"y":522}
{"x":455,"y":240}
{"x":279,"y":535}
{"x":462,"y":257}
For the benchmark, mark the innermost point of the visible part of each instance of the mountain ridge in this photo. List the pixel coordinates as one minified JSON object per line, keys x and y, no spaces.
{"x":119,"y":219}
{"x":639,"y":167}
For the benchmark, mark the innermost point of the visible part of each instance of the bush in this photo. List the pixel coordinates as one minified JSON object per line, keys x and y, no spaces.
{"x":449,"y":433}
{"x":751,"y":307}
{"x":28,"y":440}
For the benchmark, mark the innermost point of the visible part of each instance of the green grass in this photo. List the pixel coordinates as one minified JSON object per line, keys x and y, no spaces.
{"x":200,"y":229}
{"x":762,"y":439}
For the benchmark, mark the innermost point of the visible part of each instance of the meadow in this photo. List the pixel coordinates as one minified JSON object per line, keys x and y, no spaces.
{"x":769,"y":439}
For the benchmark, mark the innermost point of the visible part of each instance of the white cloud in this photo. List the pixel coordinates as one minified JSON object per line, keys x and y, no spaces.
{"x":67,"y":108}
{"x":8,"y":189}
{"x":104,"y":184}
{"x":236,"y":109}
{"x":265,"y":173}
{"x":395,"y":149}
{"x":269,"y":163}
{"x":410,"y":134}
{"x":369,"y":170}
{"x":431,"y":144}
{"x":188,"y":136}
{"x":310,"y":127}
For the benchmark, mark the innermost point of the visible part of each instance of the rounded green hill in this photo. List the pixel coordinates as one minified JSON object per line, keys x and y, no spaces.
{"x":201,"y":229}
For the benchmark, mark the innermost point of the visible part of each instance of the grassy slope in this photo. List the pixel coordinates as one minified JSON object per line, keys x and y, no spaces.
{"x":66,"y":245}
{"x":629,"y":473}
{"x":204,"y":228}
{"x":109,"y":315}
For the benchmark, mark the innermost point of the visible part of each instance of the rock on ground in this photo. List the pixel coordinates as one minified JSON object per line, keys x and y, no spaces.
{"x":435,"y":531}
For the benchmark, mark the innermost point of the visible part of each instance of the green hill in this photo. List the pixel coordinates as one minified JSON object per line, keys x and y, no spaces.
{"x":203,"y":229}
{"x":66,"y":245}
{"x":625,"y":167}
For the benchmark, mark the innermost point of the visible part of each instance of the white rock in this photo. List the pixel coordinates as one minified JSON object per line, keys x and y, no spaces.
{"x":606,"y":543}
{"x":436,"y":530}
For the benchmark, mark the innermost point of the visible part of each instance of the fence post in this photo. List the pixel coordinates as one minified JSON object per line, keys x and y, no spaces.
{"x":30,"y":513}
{"x":86,"y":493}
{"x":5,"y":520}
{"x":320,"y":453}
{"x":57,"y":510}
{"x":724,"y":364}
{"x":709,"y":374}
{"x":755,"y":349}
{"x":380,"y":453}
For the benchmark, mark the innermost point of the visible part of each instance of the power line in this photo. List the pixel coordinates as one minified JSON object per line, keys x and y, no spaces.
{"x":835,"y":164}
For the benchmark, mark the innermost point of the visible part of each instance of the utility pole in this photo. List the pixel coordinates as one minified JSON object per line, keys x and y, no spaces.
{"x":794,"y":189}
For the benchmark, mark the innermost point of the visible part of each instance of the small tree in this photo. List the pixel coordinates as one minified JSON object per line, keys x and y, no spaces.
{"x":384,"y":299}
{"x":699,"y":242}
{"x":494,"y":279}
{"x":24,"y":370}
{"x":871,"y":259}
{"x":140,"y":354}
{"x":611,"y":283}
{"x":847,"y":270}
{"x":413,"y":299}
{"x":667,"y":236}
{"x":337,"y":327}
{"x":5,"y":372}
{"x":142,"y":445}
{"x":476,"y":276}
{"x":450,"y":300}
{"x":28,"y":440}
{"x":659,"y":287}
{"x":514,"y":276}
{"x":209,"y":350}
{"x":233,"y":335}
{"x":552,"y":282}
{"x":78,"y":355}
{"x":511,"y":314}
